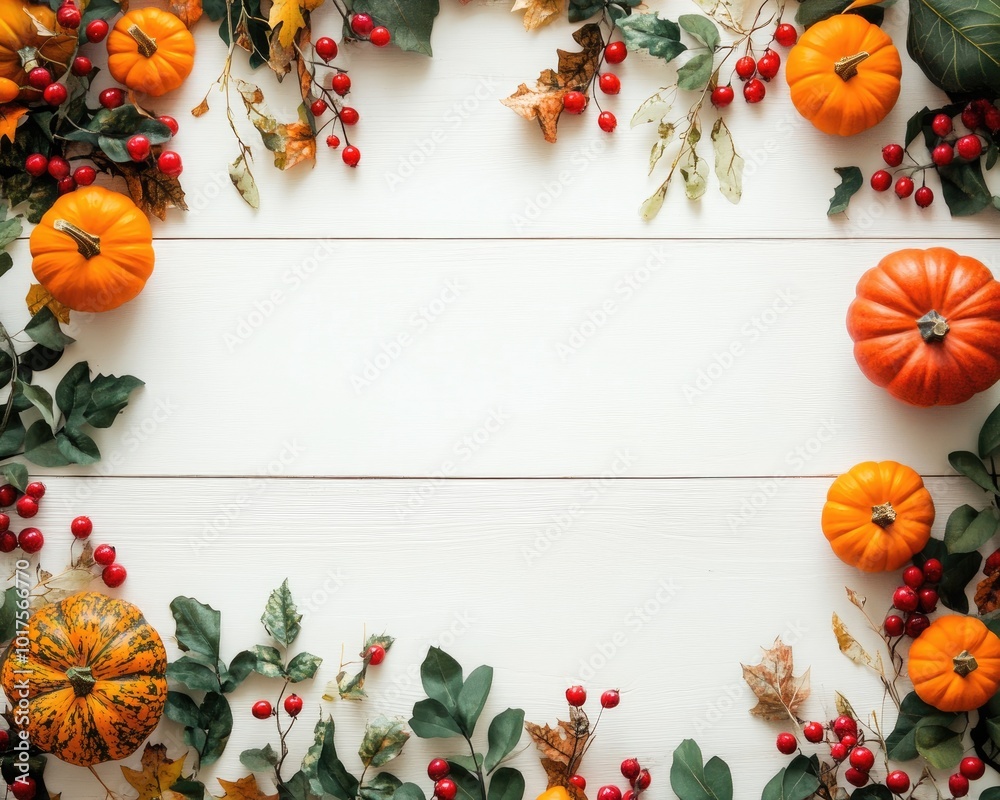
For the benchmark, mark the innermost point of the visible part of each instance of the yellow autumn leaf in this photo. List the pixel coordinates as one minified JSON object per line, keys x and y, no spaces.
{"x":39,"y":298}
{"x":288,"y":13}
{"x":538,"y":12}
{"x":10,"y":113}
{"x":157,"y":775}
{"x":243,"y":789}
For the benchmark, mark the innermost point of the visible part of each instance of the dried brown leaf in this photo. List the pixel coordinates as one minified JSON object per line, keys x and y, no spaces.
{"x":843,"y":706}
{"x":779,"y":692}
{"x":562,"y":748}
{"x":157,"y":775}
{"x":988,"y":594}
{"x":243,"y":789}
{"x":302,"y":69}
{"x":857,"y":599}
{"x":852,"y":648}
{"x":189,"y":11}
{"x":201,"y":109}
{"x":154,"y":192}
{"x":39,"y":298}
{"x":538,"y":12}
{"x":828,"y":777}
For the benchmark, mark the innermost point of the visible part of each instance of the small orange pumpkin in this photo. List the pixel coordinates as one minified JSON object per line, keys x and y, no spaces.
{"x":878,"y":516}
{"x":954,"y":665}
{"x":843,"y":75}
{"x":150,"y":51}
{"x":926,"y":326}
{"x":93,"y":250}
{"x":23,"y":46}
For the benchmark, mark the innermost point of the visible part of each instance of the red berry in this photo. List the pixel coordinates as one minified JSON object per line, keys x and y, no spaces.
{"x":753,"y":91}
{"x":630,"y":768}
{"x":905,"y":599}
{"x":607,"y":122}
{"x":84,"y":176}
{"x":333,"y":142}
{"x":30,"y":540}
{"x":768,"y":65}
{"x":928,"y":599}
{"x":8,"y":542}
{"x":113,"y":575}
{"x":261,"y":709}
{"x":722,"y":96}
{"x":913,"y":577}
{"x":375,"y":654}
{"x":169,"y":163}
{"x":786,"y":743}
{"x":39,"y":78}
{"x":924,"y":196}
{"x":642,"y":780}
{"x":82,"y":527}
{"x":4,"y":523}
{"x":55,"y":94}
{"x":848,"y":740}
{"x":746,"y":67}
{"x":445,"y":789}
{"x":341,"y":83}
{"x":24,"y":788}
{"x":916,"y":625}
{"x":65,"y":185}
{"x":862,"y":758}
{"x":898,"y":782}
{"x":96,"y":30}
{"x":969,"y":147}
{"x":35,"y":165}
{"x":844,"y":725}
{"x":958,"y":785}
{"x":293,"y":705}
{"x":838,"y":751}
{"x":576,"y":696}
{"x":786,"y":35}
{"x":574,"y":102}
{"x":380,"y":36}
{"x":892,"y":154}
{"x":69,"y":16}
{"x":972,"y":117}
{"x":318,"y":107}
{"x":972,"y":768}
{"x":326,"y":48}
{"x":611,"y":698}
{"x":8,"y":494}
{"x":170,"y":122}
{"x":992,"y":563}
{"x":349,"y":116}
{"x":855,"y":776}
{"x":138,"y":147}
{"x":904,"y":188}
{"x":991,"y":119}
{"x":609,"y":793}
{"x":629,"y":795}
{"x":104,"y":554}
{"x":111,"y":98}
{"x":351,"y":155}
{"x":362,"y":25}
{"x":881,"y":180}
{"x":615,"y":52}
{"x":82,"y":66}
{"x":4,"y":740}
{"x":941,"y":125}
{"x":58,"y":167}
{"x":933,"y":570}
{"x":578,"y":781}
{"x":610,"y":83}
{"x":894,"y":625}
{"x":438,"y":769}
{"x":814,"y":732}
{"x":27,"y":506}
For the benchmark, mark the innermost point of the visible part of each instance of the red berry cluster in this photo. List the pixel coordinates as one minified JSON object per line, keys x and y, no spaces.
{"x":638,"y":778}
{"x":438,"y":771}
{"x":846,"y":742}
{"x":970,"y":769}
{"x":575,"y":101}
{"x":754,"y":72}
{"x":916,"y":598}
{"x":292,"y":704}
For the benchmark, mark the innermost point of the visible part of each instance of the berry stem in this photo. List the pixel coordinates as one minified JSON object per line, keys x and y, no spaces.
{"x":479,"y":769}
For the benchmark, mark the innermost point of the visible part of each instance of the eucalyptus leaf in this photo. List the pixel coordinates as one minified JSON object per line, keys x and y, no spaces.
{"x":689,"y":779}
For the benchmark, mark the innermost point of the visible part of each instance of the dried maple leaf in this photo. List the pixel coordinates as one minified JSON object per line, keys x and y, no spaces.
{"x":157,"y":775}
{"x":39,"y":298}
{"x":243,"y":789}
{"x":10,"y":113}
{"x":544,"y":103}
{"x":779,"y":693}
{"x":562,"y":748}
{"x":288,"y":15}
{"x":189,"y":11}
{"x":538,"y":12}
{"x":151,"y":190}
{"x":988,"y":594}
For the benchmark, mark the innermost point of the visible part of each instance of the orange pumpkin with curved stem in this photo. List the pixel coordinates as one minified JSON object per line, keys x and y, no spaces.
{"x":926,"y":326}
{"x":150,"y":51}
{"x":954,"y":665}
{"x":878,"y":515}
{"x":93,"y":250}
{"x":18,"y":31}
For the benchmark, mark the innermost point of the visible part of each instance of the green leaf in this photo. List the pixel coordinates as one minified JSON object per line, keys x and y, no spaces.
{"x":580,"y":10}
{"x":303,"y":667}
{"x":993,"y":793}
{"x":409,"y":791}
{"x":695,"y":74}
{"x":470,"y":763}
{"x":12,"y":442}
{"x":217,"y":722}
{"x":719,"y":777}
{"x":968,"y":530}
{"x":15,"y":473}
{"x":77,"y":447}
{"x":873,"y":791}
{"x":409,"y":21}
{"x":472,"y":697}
{"x":8,"y":614}
{"x":40,"y":399}
{"x":259,"y":760}
{"x":193,"y":674}
{"x":383,"y":640}
{"x":10,"y":228}
{"x":40,"y":446}
{"x":269,"y":662}
{"x":940,"y":747}
{"x":959,"y":569}
{"x":467,"y":782}
{"x":324,"y":768}
{"x":76,"y":379}
{"x":181,"y":708}
{"x":964,"y":189}
{"x":295,"y":788}
{"x":281,"y":619}
{"x":702,"y":28}
{"x":955,"y":43}
{"x":658,"y":37}
{"x":989,"y":435}
{"x":503,"y":735}
{"x":189,"y":789}
{"x":441,"y":676}
{"x":240,"y":667}
{"x":6,"y":262}
{"x":198,"y":627}
{"x":44,"y":329}
{"x":506,"y":784}
{"x":383,"y":741}
{"x":431,"y":720}
{"x":801,"y":779}
{"x":812,"y":11}
{"x":851,"y":180}
{"x":382,"y":787}
{"x":970,"y":465}
{"x":109,"y":396}
{"x":689,"y":779}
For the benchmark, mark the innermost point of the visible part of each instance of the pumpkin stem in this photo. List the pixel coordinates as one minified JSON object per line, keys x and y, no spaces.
{"x":147,"y":44}
{"x":933,"y":326}
{"x":28,"y":57}
{"x":88,"y":244}
{"x":81,"y":679}
{"x":883,"y":515}
{"x":847,"y":67}
{"x":964,"y":663}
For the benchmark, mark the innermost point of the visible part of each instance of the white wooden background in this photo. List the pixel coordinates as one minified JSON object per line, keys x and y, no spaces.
{"x":463,"y":394}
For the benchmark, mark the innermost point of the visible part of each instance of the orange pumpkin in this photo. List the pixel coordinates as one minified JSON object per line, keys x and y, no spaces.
{"x":878,"y":516}
{"x":843,"y":75}
{"x":92,"y":686}
{"x":93,"y":250}
{"x":150,"y":51}
{"x":18,"y":31}
{"x":926,"y":326}
{"x":954,"y":665}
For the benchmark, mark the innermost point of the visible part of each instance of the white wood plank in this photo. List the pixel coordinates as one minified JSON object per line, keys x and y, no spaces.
{"x":504,"y":359}
{"x":443,"y":157}
{"x":645,"y":587}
